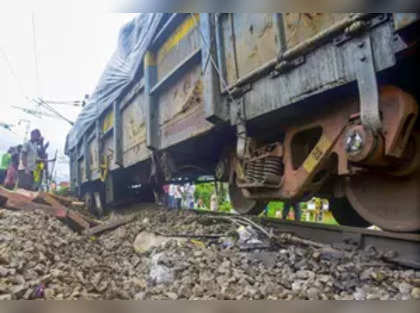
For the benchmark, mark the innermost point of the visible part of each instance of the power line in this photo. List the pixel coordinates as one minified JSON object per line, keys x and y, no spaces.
{"x":76,"y":103}
{"x":6,"y":126}
{"x":28,"y":111}
{"x":40,"y":102}
{"x":13,"y":73}
{"x":37,"y":76}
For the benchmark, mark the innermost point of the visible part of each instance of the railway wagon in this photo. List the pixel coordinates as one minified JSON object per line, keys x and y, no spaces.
{"x":281,"y":106}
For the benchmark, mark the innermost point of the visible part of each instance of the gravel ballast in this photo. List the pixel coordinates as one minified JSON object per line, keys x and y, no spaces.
{"x":40,"y":257}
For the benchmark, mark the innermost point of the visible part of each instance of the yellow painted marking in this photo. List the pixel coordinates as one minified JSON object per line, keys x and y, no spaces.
{"x":239,"y":170}
{"x":149,"y":59}
{"x":198,"y":243}
{"x":317,"y":154}
{"x":180,"y":32}
{"x":108,"y":121}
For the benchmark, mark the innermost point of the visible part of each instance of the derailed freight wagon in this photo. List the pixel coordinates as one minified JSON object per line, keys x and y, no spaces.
{"x":281,"y":106}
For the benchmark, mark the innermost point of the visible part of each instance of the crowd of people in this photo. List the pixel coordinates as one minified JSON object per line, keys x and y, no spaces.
{"x":180,"y":196}
{"x":310,"y":211}
{"x":23,"y":166}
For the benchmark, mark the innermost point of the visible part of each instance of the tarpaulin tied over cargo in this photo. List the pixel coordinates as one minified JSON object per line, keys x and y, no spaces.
{"x":123,"y":68}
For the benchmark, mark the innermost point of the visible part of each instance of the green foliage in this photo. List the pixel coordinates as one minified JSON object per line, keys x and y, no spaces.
{"x":225,"y":207}
{"x":204,"y":191}
{"x":274,"y":207}
{"x":62,"y":191}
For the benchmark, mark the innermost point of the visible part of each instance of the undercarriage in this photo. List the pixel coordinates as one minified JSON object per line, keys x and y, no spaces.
{"x":374,"y":175}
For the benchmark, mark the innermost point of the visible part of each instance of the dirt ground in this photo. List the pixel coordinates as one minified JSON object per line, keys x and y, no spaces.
{"x":40,"y":257}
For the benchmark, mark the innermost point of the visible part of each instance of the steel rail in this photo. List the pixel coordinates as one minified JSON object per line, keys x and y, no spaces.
{"x":399,"y":248}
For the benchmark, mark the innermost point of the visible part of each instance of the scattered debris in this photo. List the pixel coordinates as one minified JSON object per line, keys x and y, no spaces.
{"x":21,"y":199}
{"x":108,"y":226}
{"x":248,"y":239}
{"x":78,"y":204}
{"x":160,"y":273}
{"x":39,"y":253}
{"x":146,"y":241}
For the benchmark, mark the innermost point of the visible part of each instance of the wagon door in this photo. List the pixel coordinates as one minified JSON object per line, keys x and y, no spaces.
{"x":174,"y":82}
{"x":246,"y":42}
{"x":249,"y":46}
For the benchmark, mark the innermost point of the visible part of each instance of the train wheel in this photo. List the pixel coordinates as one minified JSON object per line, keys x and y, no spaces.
{"x":392,"y":203}
{"x":243,"y":205}
{"x":344,"y":213}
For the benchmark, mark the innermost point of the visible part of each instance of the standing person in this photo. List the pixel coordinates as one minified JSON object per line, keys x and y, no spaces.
{"x":190,"y":190}
{"x":28,"y":161}
{"x":4,"y":164}
{"x":166,"y":195}
{"x":171,"y":196}
{"x":200,"y":204}
{"x":41,"y":164}
{"x":214,"y":202}
{"x":11,"y":177}
{"x":178,"y":197}
{"x":38,"y":174}
{"x":296,"y":210}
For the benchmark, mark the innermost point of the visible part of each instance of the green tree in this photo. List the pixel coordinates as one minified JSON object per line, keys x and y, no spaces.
{"x":204,"y":191}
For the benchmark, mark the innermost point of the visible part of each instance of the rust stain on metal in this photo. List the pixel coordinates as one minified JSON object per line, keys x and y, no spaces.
{"x":183,"y":97}
{"x":134,"y":128}
{"x":301,"y":26}
{"x":256,"y":45}
{"x":193,"y":121}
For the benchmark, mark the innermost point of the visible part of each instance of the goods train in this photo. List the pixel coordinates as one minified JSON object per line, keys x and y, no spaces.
{"x":280,"y":106}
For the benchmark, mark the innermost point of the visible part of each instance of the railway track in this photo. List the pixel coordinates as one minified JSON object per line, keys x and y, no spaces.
{"x":399,"y":248}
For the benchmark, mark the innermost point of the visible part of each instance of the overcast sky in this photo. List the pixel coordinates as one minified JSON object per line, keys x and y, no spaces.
{"x":73,"y":46}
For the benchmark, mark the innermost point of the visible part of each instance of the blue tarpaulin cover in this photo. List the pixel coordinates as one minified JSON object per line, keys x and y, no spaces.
{"x":121,"y":71}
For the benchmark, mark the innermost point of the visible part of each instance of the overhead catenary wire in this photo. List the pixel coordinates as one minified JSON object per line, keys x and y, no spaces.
{"x":35,"y":52}
{"x":76,"y":103}
{"x":13,"y":73}
{"x":41,"y":102}
{"x":35,"y":113}
{"x":7,"y":126}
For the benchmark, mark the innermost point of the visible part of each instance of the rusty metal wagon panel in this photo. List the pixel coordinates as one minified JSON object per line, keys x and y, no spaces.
{"x":133,"y":121}
{"x":204,"y":72}
{"x":174,"y":81}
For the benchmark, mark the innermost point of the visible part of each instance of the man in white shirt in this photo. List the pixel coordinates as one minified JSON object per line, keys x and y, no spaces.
{"x":171,"y":195}
{"x":28,"y":161}
{"x":178,"y":197}
{"x":190,"y":190}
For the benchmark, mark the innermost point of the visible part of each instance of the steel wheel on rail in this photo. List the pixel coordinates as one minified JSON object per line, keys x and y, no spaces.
{"x":390,"y":201}
{"x":243,"y":205}
{"x":344,"y":213}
